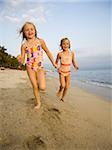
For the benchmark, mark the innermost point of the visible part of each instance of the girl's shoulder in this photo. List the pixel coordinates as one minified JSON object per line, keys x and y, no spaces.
{"x":40,"y":40}
{"x":24,"y":45}
{"x":73,"y":53}
{"x":60,"y":54}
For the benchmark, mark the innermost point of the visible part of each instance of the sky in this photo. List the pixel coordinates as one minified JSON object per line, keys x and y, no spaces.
{"x":87,"y":23}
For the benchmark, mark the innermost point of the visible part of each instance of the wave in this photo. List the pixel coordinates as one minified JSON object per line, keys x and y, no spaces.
{"x":98,"y":83}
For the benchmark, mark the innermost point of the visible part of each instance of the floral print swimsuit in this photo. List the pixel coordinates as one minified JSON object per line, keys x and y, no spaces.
{"x":34,"y":56}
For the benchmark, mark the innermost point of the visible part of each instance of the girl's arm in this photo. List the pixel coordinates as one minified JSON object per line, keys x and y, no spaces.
{"x":57,"y":59}
{"x":22,"y":54}
{"x":44,"y":47}
{"x":74,"y":61}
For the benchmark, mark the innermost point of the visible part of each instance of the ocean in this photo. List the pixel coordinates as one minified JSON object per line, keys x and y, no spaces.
{"x":97,"y":77}
{"x":96,"y":81}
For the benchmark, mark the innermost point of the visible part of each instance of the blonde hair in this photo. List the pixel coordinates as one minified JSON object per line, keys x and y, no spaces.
{"x":22,"y":30}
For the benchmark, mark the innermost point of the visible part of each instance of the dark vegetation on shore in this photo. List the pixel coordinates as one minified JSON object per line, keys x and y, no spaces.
{"x":7,"y":60}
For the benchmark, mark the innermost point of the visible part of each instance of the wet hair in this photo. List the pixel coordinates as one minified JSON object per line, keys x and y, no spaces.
{"x":62,"y":40}
{"x":22,"y":30}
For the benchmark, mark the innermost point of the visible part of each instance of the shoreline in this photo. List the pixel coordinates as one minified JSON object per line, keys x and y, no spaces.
{"x":101,"y":92}
{"x":83,"y":121}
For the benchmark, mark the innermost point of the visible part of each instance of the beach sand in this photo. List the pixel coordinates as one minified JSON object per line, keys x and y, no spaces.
{"x":82,"y":122}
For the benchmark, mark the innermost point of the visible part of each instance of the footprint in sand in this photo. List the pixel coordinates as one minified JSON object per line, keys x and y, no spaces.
{"x":55,"y":110}
{"x":35,"y":143}
{"x":5,"y":143}
{"x":51,"y":114}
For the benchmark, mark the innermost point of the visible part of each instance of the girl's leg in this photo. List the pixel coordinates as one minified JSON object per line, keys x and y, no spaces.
{"x":33,"y":79}
{"x":67,"y":83}
{"x":62,"y":84}
{"x":41,"y":79}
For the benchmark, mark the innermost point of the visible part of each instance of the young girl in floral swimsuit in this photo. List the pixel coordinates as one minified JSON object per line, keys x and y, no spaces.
{"x":33,"y":47}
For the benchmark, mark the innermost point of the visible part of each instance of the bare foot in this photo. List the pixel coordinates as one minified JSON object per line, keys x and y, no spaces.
{"x":61,"y":100}
{"x":37,"y":106}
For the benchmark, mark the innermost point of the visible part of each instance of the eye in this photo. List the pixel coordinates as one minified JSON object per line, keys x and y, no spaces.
{"x":26,"y":30}
{"x":32,"y":29}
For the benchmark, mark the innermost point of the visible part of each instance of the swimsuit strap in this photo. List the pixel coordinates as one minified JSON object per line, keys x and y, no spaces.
{"x":37,"y":42}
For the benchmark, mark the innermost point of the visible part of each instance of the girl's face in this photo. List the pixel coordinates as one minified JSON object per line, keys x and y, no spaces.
{"x":65,"y":45}
{"x":29,"y":31}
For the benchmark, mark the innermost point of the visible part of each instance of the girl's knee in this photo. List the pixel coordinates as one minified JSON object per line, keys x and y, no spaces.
{"x":42,"y":88}
{"x":62,"y":86}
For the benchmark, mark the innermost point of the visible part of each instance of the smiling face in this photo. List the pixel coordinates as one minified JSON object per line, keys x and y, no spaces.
{"x":29,"y":31}
{"x":65,"y":44}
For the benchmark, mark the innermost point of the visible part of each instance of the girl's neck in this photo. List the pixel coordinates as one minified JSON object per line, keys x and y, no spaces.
{"x":31,"y":42}
{"x":66,"y":51}
{"x":32,"y":39}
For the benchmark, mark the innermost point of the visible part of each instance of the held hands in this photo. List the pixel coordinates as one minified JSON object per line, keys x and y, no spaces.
{"x":55,"y":65}
{"x":76,"y":67}
{"x":59,"y":70}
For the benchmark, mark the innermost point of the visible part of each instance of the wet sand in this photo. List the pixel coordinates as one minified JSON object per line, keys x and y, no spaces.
{"x":82,"y":122}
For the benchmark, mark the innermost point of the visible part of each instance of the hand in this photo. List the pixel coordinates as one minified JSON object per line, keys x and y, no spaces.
{"x":19,"y":67}
{"x":19,"y":58}
{"x":77,"y":68}
{"x":59,"y":70}
{"x":55,"y":65}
